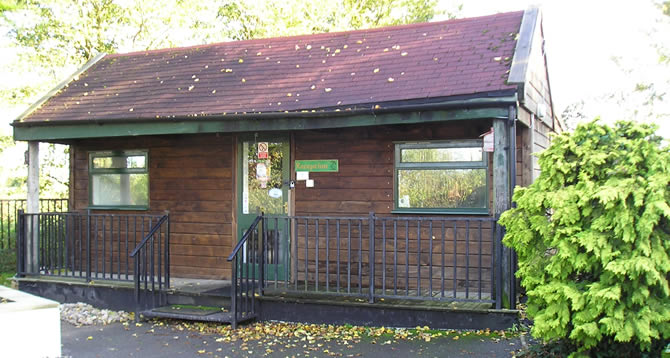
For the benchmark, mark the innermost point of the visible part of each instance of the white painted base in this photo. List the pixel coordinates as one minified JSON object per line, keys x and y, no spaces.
{"x":30,"y":325}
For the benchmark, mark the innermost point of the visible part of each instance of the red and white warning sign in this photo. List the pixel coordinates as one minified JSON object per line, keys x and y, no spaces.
{"x":262,"y":150}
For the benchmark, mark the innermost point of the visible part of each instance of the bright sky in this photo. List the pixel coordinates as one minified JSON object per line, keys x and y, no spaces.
{"x":582,"y":37}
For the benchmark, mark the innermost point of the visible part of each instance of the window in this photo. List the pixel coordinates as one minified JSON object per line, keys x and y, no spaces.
{"x":119,"y":180}
{"x":449,"y":177}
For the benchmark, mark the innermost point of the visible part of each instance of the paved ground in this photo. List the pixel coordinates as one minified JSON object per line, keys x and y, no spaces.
{"x":151,"y":340}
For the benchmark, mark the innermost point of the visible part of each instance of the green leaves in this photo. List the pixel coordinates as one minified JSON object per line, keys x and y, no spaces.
{"x":591,"y":234}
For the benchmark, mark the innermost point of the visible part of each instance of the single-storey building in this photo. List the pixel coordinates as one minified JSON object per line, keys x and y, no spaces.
{"x":344,"y":167}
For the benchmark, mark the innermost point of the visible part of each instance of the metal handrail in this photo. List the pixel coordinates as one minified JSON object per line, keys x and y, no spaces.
{"x":244,"y":238}
{"x":243,"y":278}
{"x":148,"y":236}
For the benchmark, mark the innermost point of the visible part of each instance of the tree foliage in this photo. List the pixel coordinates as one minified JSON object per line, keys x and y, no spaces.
{"x":49,"y":39}
{"x":591,"y":235}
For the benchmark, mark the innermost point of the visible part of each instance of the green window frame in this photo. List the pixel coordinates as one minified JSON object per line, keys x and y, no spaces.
{"x":118,"y":180}
{"x":456,"y":170}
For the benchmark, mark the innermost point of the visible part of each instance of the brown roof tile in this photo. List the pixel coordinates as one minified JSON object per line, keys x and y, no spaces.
{"x":346,"y":69}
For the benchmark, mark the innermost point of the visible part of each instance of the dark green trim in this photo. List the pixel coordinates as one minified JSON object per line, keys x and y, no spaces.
{"x":103,"y":207}
{"x":248,"y":123}
{"x":441,"y":211}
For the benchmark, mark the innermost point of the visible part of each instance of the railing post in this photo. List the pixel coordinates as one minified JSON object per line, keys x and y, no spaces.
{"x":371,"y":248}
{"x":167,"y":250}
{"x":20,"y":244}
{"x":263,"y":237}
{"x":233,"y":296}
{"x":88,"y":246}
{"x":136,"y":281}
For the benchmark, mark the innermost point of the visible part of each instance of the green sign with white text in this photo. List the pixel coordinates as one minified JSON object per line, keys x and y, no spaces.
{"x":322,"y":165}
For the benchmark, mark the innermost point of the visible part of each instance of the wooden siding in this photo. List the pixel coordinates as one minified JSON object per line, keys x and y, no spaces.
{"x":364,"y":184}
{"x":366,"y":162}
{"x":536,"y":87}
{"x":192,"y":178}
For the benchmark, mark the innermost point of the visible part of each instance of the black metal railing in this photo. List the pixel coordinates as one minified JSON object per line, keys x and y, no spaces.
{"x":151,"y":266}
{"x":82,"y":245}
{"x":422,"y":258}
{"x":9,"y":209}
{"x":247,"y":267}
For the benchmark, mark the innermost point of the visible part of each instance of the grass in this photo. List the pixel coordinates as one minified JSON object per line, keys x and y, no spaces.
{"x":5,"y":278}
{"x":7,"y":267}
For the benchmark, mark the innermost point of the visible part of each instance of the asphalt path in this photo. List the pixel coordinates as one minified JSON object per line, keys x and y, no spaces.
{"x":169,"y":340}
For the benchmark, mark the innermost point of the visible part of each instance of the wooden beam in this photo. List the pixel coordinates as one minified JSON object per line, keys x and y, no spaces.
{"x":502,"y":195}
{"x":33,"y":205}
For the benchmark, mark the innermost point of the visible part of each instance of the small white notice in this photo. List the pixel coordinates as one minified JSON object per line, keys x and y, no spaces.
{"x":488,"y":141}
{"x":275,"y":193}
{"x":302,"y":175}
{"x":403,"y":201}
{"x":309,"y":183}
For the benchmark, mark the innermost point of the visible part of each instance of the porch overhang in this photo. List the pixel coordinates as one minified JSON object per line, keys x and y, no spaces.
{"x":467,"y":109}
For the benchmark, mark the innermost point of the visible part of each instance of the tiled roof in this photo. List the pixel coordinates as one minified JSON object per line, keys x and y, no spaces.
{"x":345,"y":69}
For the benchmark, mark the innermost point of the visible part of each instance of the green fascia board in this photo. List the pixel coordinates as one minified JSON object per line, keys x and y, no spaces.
{"x":54,"y":131}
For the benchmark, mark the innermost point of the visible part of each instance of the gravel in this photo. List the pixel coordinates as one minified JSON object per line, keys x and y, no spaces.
{"x":83,"y":314}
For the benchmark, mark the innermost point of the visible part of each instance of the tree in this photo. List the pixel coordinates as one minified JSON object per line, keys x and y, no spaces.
{"x":591,"y":234}
{"x":49,"y":39}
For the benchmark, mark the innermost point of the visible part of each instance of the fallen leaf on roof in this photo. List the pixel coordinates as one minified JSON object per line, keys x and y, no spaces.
{"x":337,"y":50}
{"x":240,"y":60}
{"x":313,"y":87}
{"x":191,"y":87}
{"x":390,"y":79}
{"x":258,"y":53}
{"x":213,"y":91}
{"x":297,"y":47}
{"x":497,"y":58}
{"x":376,"y":70}
{"x":309,"y":47}
{"x":386,"y":49}
{"x":297,"y":66}
{"x":327,"y":89}
{"x":403,"y":54}
{"x":130,"y":110}
{"x":196,"y":80}
{"x":359,"y":42}
{"x":289,"y":94}
{"x":244,"y":80}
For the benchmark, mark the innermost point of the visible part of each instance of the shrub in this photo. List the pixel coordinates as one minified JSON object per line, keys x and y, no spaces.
{"x":591,"y":234}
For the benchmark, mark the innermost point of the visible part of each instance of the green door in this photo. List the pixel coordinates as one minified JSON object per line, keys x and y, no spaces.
{"x":263,"y":177}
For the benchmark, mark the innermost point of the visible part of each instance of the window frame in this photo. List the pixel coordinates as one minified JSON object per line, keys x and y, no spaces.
{"x":465,"y":143}
{"x":119,"y":153}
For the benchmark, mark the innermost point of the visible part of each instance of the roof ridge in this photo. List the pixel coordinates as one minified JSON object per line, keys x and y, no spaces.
{"x":312,"y":36}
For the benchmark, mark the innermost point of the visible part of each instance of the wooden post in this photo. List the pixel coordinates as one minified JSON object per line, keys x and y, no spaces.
{"x":33,"y":207}
{"x":502,"y":195}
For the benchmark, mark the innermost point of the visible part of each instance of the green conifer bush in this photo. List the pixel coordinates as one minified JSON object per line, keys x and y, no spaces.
{"x":592,"y":235}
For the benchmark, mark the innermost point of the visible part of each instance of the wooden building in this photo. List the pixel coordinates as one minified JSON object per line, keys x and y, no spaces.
{"x":337,"y":138}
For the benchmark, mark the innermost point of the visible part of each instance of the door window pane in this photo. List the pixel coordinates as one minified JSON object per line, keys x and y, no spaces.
{"x":262,"y":181}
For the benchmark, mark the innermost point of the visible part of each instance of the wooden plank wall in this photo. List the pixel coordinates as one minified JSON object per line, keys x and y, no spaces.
{"x":536,"y":88}
{"x":364,"y":184}
{"x":191,"y":176}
